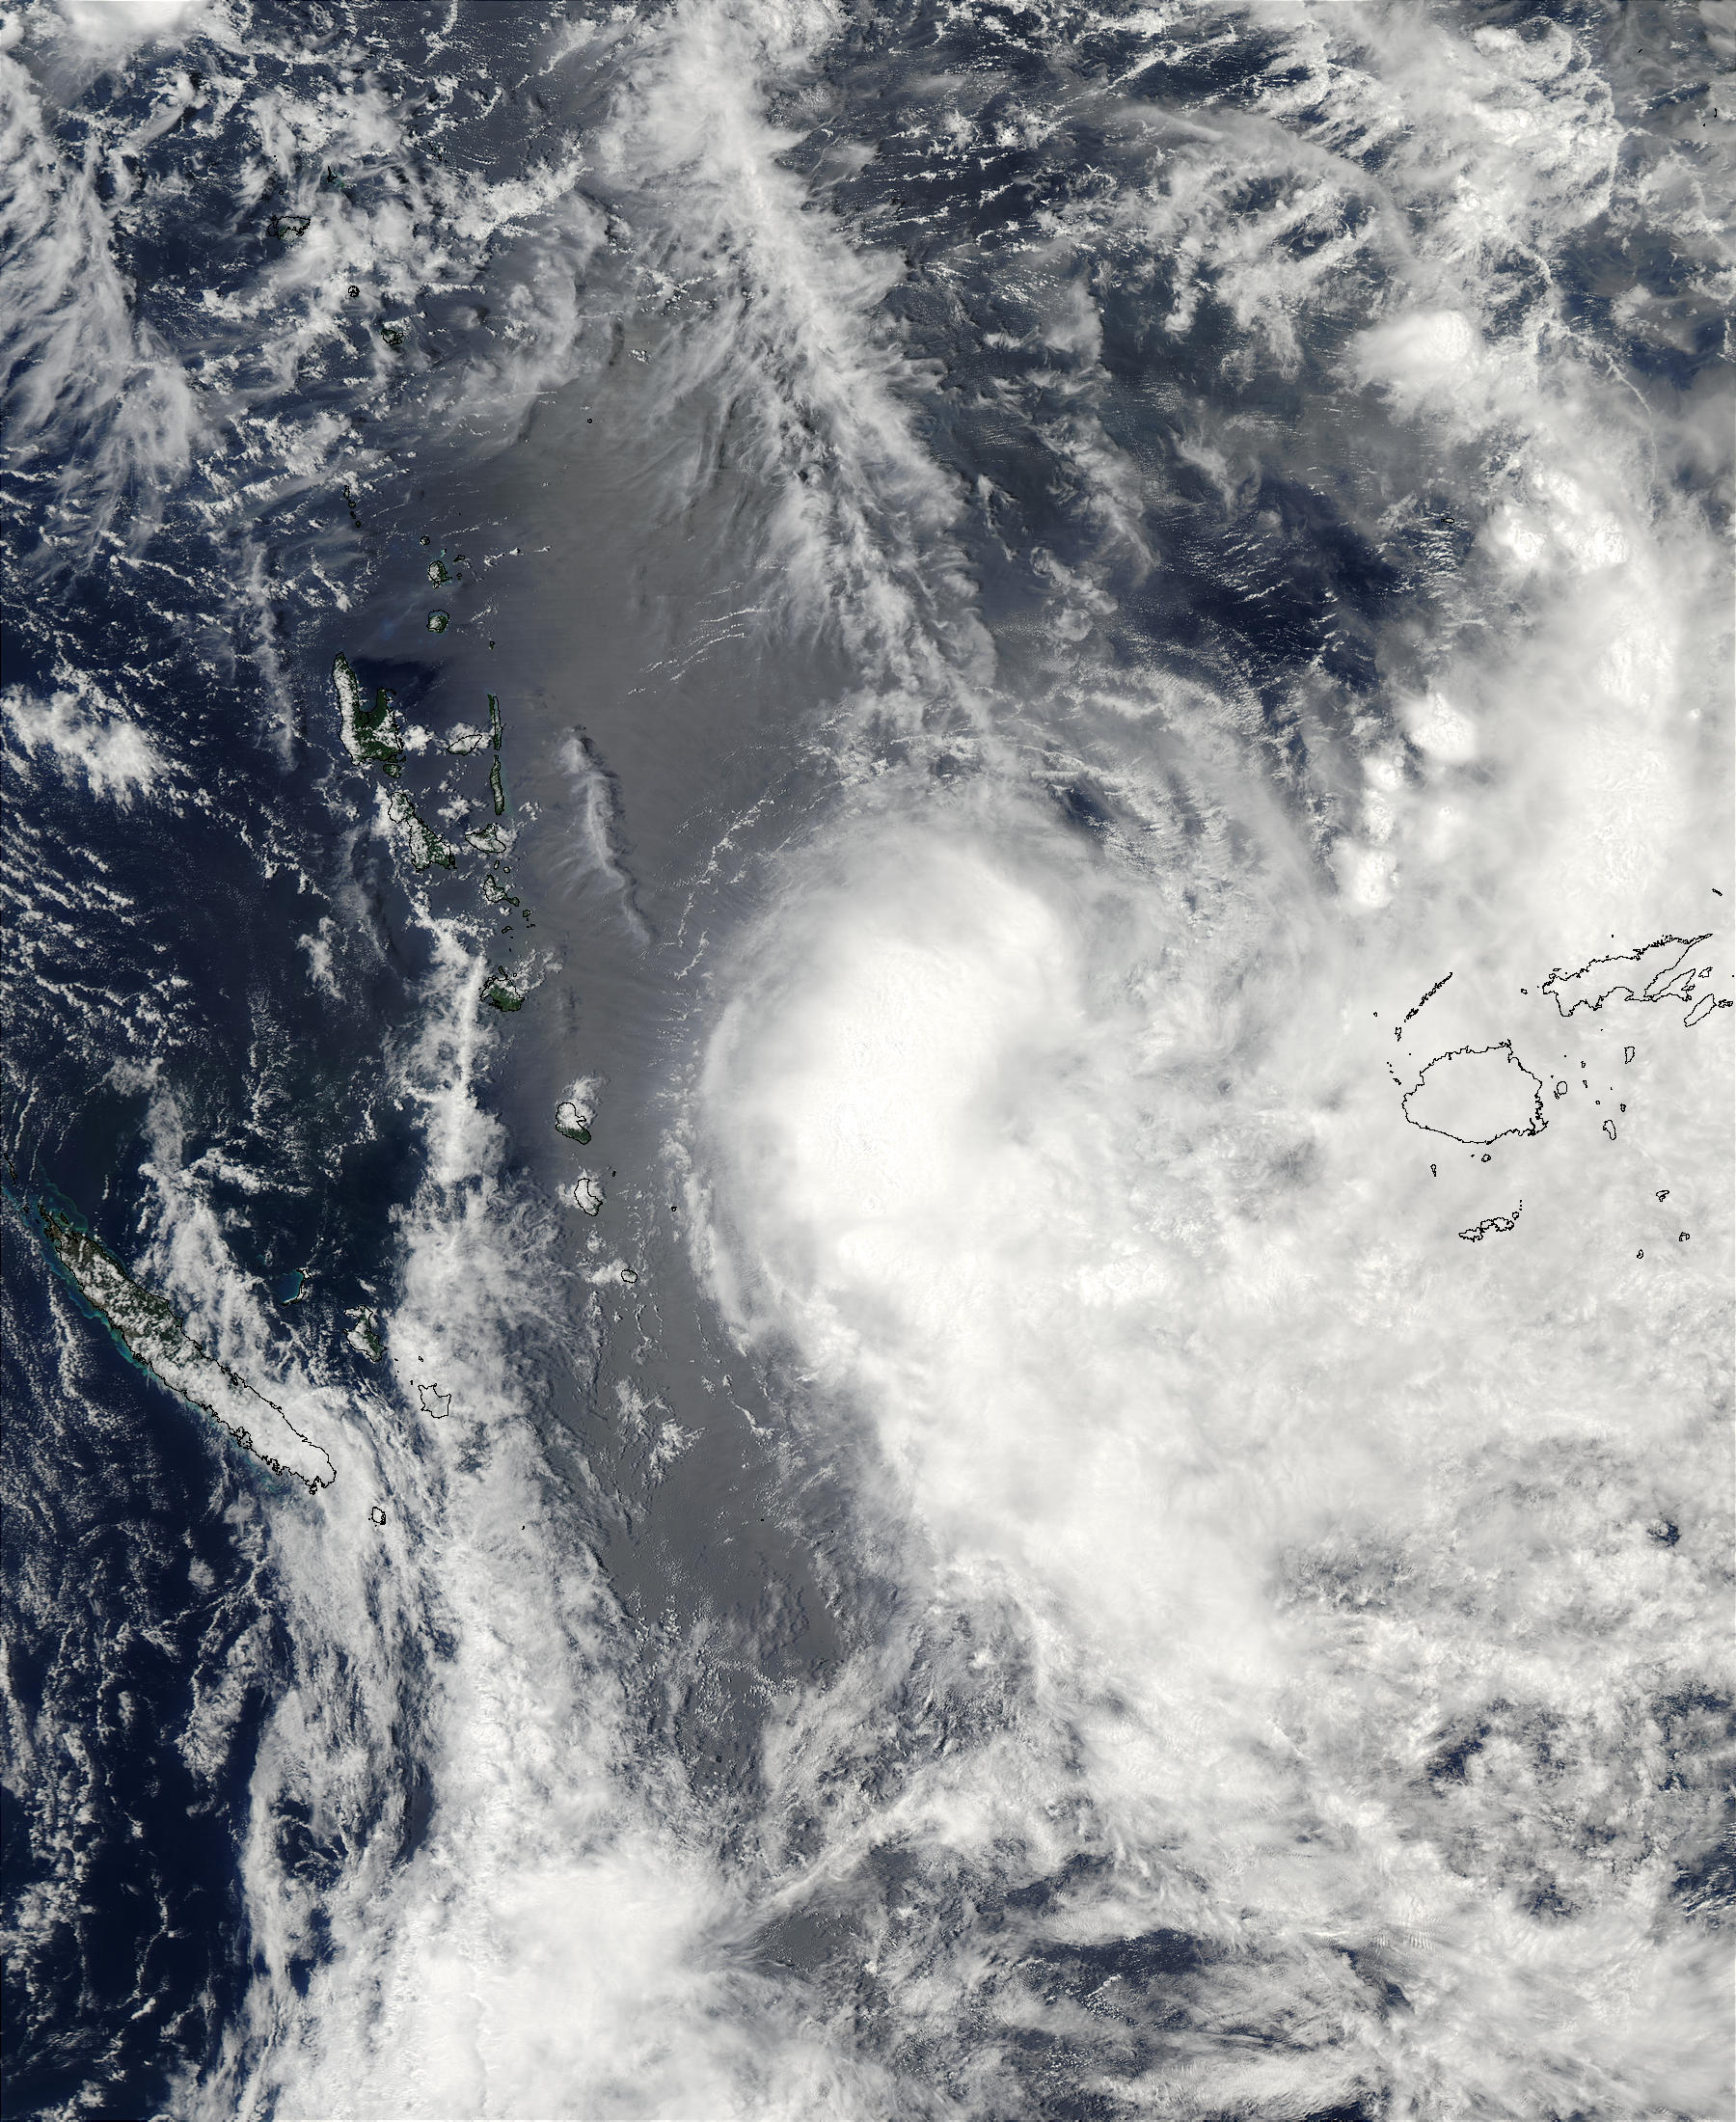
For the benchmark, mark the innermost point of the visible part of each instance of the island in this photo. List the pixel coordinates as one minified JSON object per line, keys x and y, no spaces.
{"x":155,"y":1336}
{"x":1475,"y":1095}
{"x":372,"y":736}
{"x":1654,"y":972}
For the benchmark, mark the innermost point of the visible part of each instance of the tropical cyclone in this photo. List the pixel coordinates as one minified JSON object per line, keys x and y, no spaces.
{"x":154,"y":1334}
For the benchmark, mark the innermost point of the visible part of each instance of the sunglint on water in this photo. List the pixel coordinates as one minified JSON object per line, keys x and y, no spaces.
{"x":902,"y":1288}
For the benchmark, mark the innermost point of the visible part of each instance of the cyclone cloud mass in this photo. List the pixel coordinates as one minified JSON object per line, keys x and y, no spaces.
{"x":867,"y":1123}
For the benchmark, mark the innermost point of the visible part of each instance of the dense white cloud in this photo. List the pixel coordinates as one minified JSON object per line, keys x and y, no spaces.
{"x":1270,"y":1571}
{"x":789,"y":329}
{"x":84,"y":377}
{"x":1108,"y":1224}
{"x":86,"y":734}
{"x":1301,"y":1548}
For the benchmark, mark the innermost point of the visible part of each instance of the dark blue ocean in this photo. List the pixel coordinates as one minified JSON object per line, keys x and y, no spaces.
{"x":752,"y":755}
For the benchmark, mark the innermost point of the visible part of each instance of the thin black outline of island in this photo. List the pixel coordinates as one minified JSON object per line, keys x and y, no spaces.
{"x":1660,"y":988}
{"x":1398,"y":1028}
{"x":1490,"y":1222}
{"x":1478,"y":1141}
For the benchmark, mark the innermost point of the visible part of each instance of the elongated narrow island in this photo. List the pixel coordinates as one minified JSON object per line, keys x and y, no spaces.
{"x":155,"y":1336}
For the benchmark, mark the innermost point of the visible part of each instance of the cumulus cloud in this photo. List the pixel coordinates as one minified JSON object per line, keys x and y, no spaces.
{"x":109,"y":28}
{"x":854,"y":513}
{"x":1296,"y":1617}
{"x":533,"y":1923}
{"x":84,"y":379}
{"x":87,"y":735}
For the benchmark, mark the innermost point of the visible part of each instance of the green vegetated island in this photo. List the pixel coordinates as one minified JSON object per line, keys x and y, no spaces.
{"x":377,"y":738}
{"x":155,"y":1336}
{"x":146,"y":1326}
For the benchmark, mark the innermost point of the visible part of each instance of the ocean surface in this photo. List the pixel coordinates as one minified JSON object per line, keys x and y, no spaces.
{"x":867,"y":1098}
